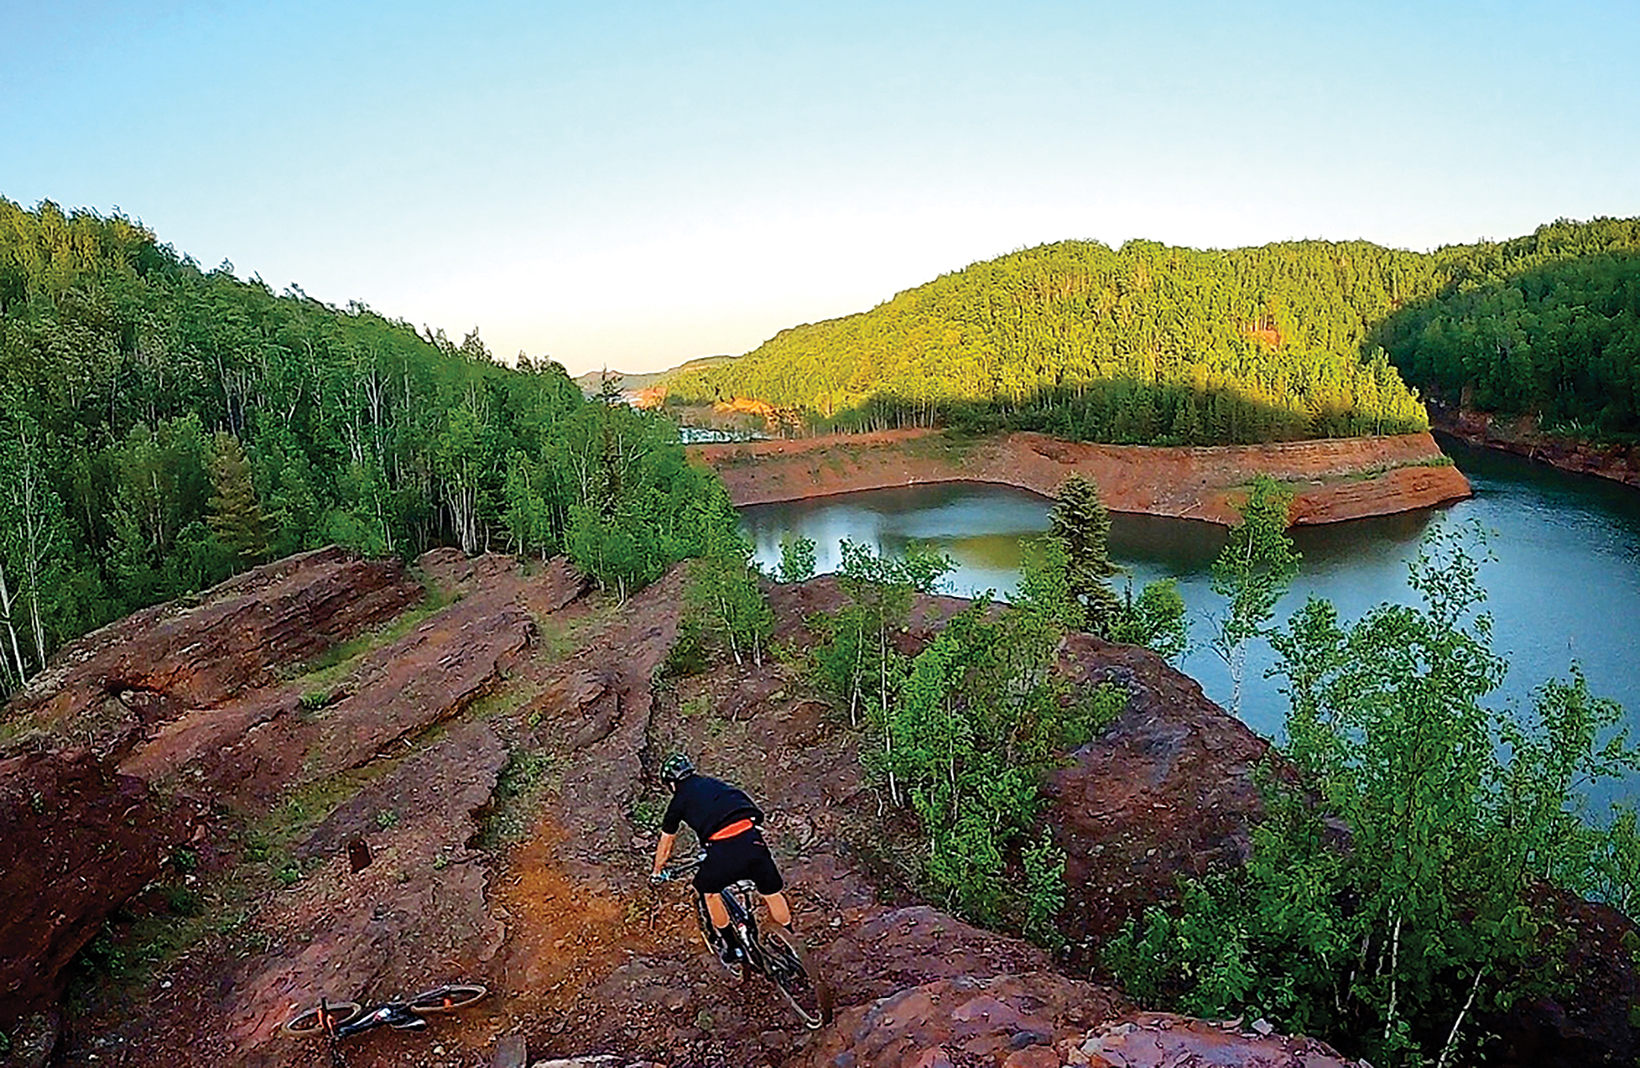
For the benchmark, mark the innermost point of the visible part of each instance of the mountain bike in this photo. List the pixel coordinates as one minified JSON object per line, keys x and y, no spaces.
{"x":776,"y":954}
{"x":337,"y":1020}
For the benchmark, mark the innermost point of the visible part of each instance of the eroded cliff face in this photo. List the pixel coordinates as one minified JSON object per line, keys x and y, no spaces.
{"x":1522,"y":437}
{"x":491,"y":745}
{"x":1333,"y":480}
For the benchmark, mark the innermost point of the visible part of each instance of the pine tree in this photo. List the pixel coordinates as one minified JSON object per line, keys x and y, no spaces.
{"x":1081,"y":525}
{"x":236,"y":515}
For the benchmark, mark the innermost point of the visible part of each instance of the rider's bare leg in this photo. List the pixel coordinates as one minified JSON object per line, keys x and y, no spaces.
{"x":778,"y":908}
{"x":716,"y":910}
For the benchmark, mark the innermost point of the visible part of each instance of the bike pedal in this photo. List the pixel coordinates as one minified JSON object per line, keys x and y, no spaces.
{"x":414,"y":1023}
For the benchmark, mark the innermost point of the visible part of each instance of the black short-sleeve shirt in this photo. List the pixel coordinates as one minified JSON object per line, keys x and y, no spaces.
{"x":707,"y":805}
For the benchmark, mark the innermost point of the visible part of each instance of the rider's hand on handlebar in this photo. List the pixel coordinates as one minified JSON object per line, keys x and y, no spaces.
{"x":656,"y":878}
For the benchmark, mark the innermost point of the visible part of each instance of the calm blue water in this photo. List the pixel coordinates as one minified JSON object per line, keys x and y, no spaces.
{"x":1565,"y":584}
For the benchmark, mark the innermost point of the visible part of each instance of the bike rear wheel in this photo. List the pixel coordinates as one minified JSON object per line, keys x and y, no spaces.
{"x":788,"y":967}
{"x":317,"y":1021}
{"x":446,"y":998}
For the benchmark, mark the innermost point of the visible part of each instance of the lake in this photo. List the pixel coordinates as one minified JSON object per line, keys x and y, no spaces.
{"x":1565,"y":584}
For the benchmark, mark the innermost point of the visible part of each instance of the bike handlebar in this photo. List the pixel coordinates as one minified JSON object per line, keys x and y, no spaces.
{"x":677,"y":870}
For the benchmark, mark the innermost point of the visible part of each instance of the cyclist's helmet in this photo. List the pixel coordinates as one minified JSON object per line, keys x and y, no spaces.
{"x":676,"y":768}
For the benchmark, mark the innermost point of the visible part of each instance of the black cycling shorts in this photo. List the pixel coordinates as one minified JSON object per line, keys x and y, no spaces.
{"x":745,"y":856}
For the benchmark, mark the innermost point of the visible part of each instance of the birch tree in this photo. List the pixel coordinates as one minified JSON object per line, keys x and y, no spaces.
{"x":1251,"y":572}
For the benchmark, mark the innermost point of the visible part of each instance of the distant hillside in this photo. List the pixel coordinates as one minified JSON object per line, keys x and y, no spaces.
{"x":593,"y":380}
{"x":166,"y":427}
{"x":1145,"y":344}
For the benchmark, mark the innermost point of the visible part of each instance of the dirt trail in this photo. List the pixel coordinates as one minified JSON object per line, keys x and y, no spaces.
{"x":1333,"y":480}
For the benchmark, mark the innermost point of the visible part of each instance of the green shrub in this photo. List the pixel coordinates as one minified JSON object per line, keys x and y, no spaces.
{"x":1457,"y":815}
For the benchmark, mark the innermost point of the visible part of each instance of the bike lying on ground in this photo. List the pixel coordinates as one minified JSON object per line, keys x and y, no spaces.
{"x":776,"y":954}
{"x":339,"y":1019}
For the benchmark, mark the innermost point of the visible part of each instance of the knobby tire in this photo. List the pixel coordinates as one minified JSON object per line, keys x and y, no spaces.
{"x":801,"y":986}
{"x":446,"y":998}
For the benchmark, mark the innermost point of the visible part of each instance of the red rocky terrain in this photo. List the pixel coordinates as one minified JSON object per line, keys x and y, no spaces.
{"x":488,"y":731}
{"x":1521,"y":436}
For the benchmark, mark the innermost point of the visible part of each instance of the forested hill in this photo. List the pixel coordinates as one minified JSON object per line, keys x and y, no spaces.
{"x":1150,"y":343}
{"x":163,"y":427}
{"x":1547,"y":325}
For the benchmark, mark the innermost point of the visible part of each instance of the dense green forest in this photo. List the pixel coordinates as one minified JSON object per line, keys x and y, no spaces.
{"x":164,"y":426}
{"x":1151,"y":344}
{"x":1547,"y":325}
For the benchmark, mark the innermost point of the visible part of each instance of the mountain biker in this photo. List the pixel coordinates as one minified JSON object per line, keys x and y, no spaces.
{"x":725,"y":820}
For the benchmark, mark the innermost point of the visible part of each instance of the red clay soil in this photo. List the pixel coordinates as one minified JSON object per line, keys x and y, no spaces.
{"x":1334,"y":480}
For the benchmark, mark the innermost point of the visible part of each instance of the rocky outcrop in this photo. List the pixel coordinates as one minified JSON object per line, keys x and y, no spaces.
{"x":890,"y":950}
{"x":1009,"y":1021}
{"x":1592,"y":1021}
{"x":189,"y":698}
{"x":78,"y":840}
{"x":494,"y":758}
{"x":1162,"y":1040}
{"x":1334,"y":479}
{"x":197,"y":651}
{"x":1520,"y":435}
{"x":415,"y":916}
{"x":1044,"y":1020}
{"x":1166,"y":791}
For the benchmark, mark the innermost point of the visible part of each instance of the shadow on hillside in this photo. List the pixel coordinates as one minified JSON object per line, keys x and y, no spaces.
{"x":1117,"y":411}
{"x":1561,"y":340}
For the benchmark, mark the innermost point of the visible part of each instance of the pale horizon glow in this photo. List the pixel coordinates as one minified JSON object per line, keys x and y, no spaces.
{"x":633,"y":185}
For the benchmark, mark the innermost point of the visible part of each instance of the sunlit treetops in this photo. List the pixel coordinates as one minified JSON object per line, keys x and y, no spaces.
{"x":1149,"y":343}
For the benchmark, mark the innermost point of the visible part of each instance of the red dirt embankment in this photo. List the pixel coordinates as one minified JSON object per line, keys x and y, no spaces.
{"x":1333,"y":480}
{"x":1522,"y":437}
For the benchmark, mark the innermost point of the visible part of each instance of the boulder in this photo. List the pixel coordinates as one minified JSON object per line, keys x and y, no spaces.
{"x":1167,"y":791}
{"x":1009,"y":1021}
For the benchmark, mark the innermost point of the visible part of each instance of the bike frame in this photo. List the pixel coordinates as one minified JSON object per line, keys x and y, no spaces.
{"x":394,"y":1014}
{"x":742,"y":923}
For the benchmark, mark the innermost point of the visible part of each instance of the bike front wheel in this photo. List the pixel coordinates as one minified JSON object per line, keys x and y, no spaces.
{"x":798,"y":982}
{"x":446,"y":998}
{"x":321,"y":1021}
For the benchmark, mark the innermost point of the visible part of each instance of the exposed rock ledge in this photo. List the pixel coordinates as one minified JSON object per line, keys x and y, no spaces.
{"x":1522,"y":437}
{"x":1334,"y":479}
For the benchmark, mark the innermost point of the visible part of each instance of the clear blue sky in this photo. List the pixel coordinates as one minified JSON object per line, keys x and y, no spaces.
{"x":634,"y":184}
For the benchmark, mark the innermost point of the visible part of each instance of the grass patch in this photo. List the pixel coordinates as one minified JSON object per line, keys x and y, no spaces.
{"x":646,"y":812}
{"x":562,"y":633}
{"x":944,"y":445}
{"x":528,"y":776}
{"x":320,"y":678}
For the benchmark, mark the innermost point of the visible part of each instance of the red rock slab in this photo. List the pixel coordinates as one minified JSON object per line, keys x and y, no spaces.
{"x":1166,"y":791}
{"x":1010,"y":1020}
{"x":884,"y":951}
{"x":197,"y":652}
{"x":415,"y":917}
{"x":76,"y":840}
{"x":429,"y":675}
{"x":596,"y":710}
{"x":1162,"y":1040}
